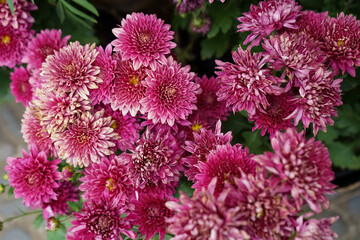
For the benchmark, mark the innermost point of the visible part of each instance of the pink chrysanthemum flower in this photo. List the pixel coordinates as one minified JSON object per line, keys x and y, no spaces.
{"x":170,"y":93}
{"x":34,"y":133}
{"x":315,"y":229}
{"x":302,"y":165}
{"x":312,"y":23}
{"x":155,"y":163}
{"x":128,"y":88}
{"x":21,"y":17}
{"x":71,"y":69}
{"x":319,"y":97}
{"x":297,"y":53}
{"x":58,"y":109}
{"x":204,"y":216}
{"x":33,"y":177}
{"x":107,"y":65}
{"x":341,"y":43}
{"x":66,"y":191}
{"x":185,"y":6}
{"x":101,"y":219}
{"x":13,"y":44}
{"x":203,"y":142}
{"x":144,"y":39}
{"x":245,"y":85}
{"x":43,"y":44}
{"x":226,"y":163}
{"x":109,"y":178}
{"x":273,"y":117}
{"x":270,"y":15}
{"x":88,"y":139}
{"x":150,"y":213}
{"x":265,"y":209}
{"x":20,"y":86}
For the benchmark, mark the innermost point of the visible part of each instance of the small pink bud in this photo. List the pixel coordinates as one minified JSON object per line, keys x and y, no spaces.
{"x":67,"y":173}
{"x":53,"y":224}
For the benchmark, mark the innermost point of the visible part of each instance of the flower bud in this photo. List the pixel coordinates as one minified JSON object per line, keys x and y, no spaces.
{"x":2,"y":188}
{"x":5,"y":177}
{"x":67,"y":173}
{"x":53,"y":224}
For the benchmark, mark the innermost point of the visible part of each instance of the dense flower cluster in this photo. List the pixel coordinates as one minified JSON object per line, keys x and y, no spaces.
{"x":119,"y":128}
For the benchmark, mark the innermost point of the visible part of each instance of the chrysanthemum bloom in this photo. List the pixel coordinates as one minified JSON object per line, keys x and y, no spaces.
{"x":312,"y":23}
{"x":59,"y":109}
{"x":13,"y":44}
{"x":204,"y":141}
{"x":170,"y":93}
{"x":201,"y":24}
{"x":204,"y":217}
{"x":33,"y":177}
{"x":185,"y":6}
{"x":128,"y":88}
{"x":264,"y":206}
{"x":155,"y":163}
{"x":107,"y":65}
{"x":319,"y":96}
{"x":20,"y":86}
{"x":43,"y":44}
{"x":144,"y":39}
{"x":89,"y":138}
{"x":71,"y":69}
{"x":150,"y":213}
{"x":268,"y":16}
{"x":101,"y":219}
{"x":109,"y":178}
{"x":226,"y":163}
{"x":66,"y":191}
{"x":34,"y":133}
{"x":302,"y":165}
{"x":315,"y":229}
{"x":341,"y":43}
{"x":211,"y":1}
{"x":21,"y":17}
{"x":297,"y":53}
{"x":273,"y":117}
{"x":245,"y":85}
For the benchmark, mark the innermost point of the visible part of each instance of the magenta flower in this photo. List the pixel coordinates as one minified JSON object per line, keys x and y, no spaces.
{"x":101,"y":219}
{"x":319,"y":97}
{"x":341,"y":43}
{"x":20,"y":86}
{"x":109,"y":178}
{"x":13,"y":44}
{"x":185,"y":6}
{"x":128,"y":88}
{"x":315,"y":229}
{"x":302,"y":165}
{"x":245,"y":85}
{"x":150,"y":213}
{"x":33,"y":177}
{"x":313,"y":24}
{"x":43,"y":44}
{"x":203,"y":142}
{"x":21,"y":17}
{"x":204,"y":216}
{"x":155,"y":163}
{"x":88,"y":139}
{"x":71,"y":69}
{"x":144,"y":39}
{"x":170,"y":93}
{"x":273,"y":117}
{"x":270,"y":15}
{"x":107,"y":65}
{"x":66,"y":191}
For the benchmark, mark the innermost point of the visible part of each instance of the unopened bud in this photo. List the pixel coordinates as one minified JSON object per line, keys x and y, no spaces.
{"x":67,"y":173}
{"x":2,"y":188}
{"x":5,"y":177}
{"x":53,"y":224}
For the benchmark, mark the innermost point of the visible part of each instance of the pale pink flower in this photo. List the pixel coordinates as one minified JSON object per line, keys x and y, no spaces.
{"x":315,"y":229}
{"x":20,"y":86}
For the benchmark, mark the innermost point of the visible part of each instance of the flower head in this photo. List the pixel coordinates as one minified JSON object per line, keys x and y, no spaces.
{"x":312,"y":23}
{"x":303,"y":165}
{"x":315,"y":229}
{"x":270,"y":15}
{"x":33,"y":177}
{"x":185,"y":6}
{"x":21,"y":17}
{"x":170,"y":93}
{"x":143,"y":38}
{"x":20,"y":86}
{"x":71,"y":69}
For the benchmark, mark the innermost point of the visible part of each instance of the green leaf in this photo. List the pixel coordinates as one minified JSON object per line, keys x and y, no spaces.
{"x":10,"y":192}
{"x":76,"y":206}
{"x":77,"y":12}
{"x":56,"y":235}
{"x":78,"y":20}
{"x":349,"y":119}
{"x":88,"y":6}
{"x":60,"y":11}
{"x":329,"y":136}
{"x":11,"y":6}
{"x":38,"y":221}
{"x":342,"y":155}
{"x":184,"y":186}
{"x":254,"y":141}
{"x":217,"y":46}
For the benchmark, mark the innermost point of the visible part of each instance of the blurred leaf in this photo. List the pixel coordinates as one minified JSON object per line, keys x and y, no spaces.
{"x":184,"y":186}
{"x":56,"y":235}
{"x":254,"y":141}
{"x":329,"y":136}
{"x":10,"y":192}
{"x":76,"y":19}
{"x":60,"y":11}
{"x":342,"y":155}
{"x":77,"y":12}
{"x":217,"y":46}
{"x":11,"y":6}
{"x":76,"y":206}
{"x":88,"y":6}
{"x":349,"y":119}
{"x":38,"y":221}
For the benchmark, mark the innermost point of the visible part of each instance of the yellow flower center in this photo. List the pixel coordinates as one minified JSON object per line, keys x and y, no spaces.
{"x":114,"y":125}
{"x":110,"y":183}
{"x":134,"y":80}
{"x":196,"y":127}
{"x":2,"y":1}
{"x":340,"y":43}
{"x":5,"y":39}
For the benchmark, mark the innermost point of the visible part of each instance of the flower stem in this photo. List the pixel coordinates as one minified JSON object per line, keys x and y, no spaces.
{"x":9,"y":219}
